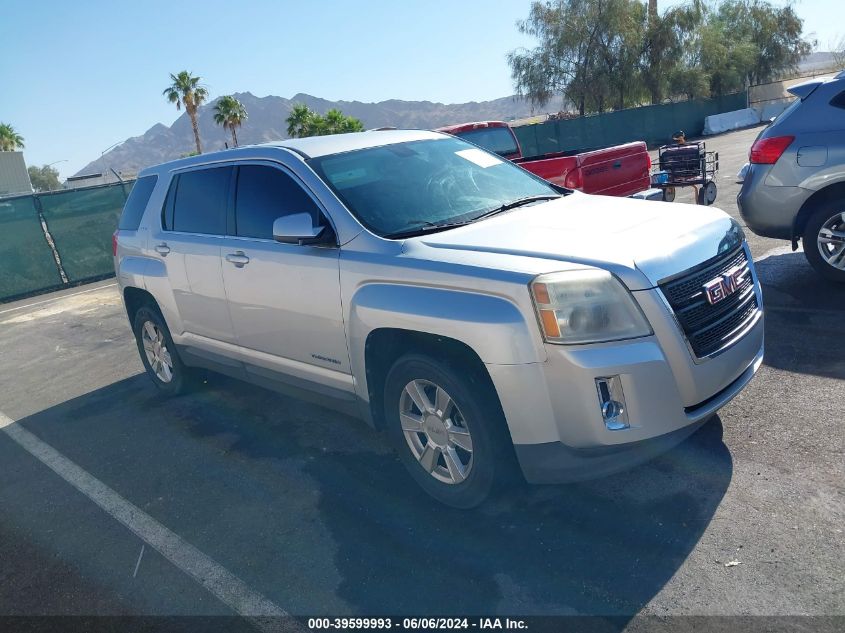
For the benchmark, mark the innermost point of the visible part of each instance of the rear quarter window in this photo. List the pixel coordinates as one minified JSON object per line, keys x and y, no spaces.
{"x":136,"y":204}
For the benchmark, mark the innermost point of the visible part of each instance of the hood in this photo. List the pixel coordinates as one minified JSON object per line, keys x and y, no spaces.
{"x":640,"y":241}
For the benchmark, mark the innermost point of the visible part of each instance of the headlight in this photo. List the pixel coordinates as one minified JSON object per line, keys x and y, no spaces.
{"x":586,"y":306}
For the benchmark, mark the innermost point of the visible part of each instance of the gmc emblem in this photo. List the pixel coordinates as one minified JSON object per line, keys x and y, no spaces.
{"x":725,"y":285}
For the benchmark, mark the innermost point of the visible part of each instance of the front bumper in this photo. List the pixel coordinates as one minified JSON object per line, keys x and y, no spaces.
{"x":553,"y":410}
{"x":555,"y":462}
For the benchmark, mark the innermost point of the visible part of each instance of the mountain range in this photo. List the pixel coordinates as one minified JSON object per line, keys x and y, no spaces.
{"x":266,"y":122}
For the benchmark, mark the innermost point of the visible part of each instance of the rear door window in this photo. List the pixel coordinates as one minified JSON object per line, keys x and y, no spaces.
{"x":137,"y":202}
{"x":264,"y":194}
{"x":200,"y":201}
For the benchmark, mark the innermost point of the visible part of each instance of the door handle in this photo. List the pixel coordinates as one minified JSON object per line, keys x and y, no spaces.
{"x":162,"y":249}
{"x":238,"y":259}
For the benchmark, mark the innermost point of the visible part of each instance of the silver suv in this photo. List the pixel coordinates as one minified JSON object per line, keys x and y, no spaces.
{"x":795,"y":185}
{"x":483,"y":318}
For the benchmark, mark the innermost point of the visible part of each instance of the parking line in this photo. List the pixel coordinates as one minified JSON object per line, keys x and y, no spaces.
{"x":72,"y":294}
{"x":227,"y":587}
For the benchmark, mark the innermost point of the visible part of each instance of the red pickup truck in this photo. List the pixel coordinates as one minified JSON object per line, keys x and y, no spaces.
{"x":622,"y":170}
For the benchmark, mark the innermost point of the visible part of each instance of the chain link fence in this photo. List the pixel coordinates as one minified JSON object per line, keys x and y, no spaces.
{"x":57,"y":239}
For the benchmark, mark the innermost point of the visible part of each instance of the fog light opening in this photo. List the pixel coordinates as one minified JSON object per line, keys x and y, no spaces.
{"x":614,"y":413}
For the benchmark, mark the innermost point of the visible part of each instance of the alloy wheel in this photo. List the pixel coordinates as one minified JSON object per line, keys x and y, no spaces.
{"x":155,"y":348}
{"x":436,"y":431}
{"x":831,"y":241}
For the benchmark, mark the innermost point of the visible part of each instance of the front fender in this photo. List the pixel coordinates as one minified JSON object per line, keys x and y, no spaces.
{"x":494,"y":327}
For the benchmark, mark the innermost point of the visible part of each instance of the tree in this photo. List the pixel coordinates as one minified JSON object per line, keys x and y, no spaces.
{"x":305,"y":122}
{"x":185,"y":90}
{"x":230,"y":113}
{"x":44,"y":178}
{"x":588,"y":52}
{"x":773,"y":35}
{"x":615,"y":53}
{"x":618,"y":67}
{"x":335,"y":122}
{"x":667,"y":46}
{"x":299,"y":121}
{"x":837,"y":50}
{"x":10,"y":140}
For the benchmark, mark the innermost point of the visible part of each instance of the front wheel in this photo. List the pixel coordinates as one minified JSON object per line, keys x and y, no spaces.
{"x":824,"y":241}
{"x":448,"y":430}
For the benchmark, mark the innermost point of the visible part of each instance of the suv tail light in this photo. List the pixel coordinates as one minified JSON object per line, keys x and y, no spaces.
{"x":574,"y":179}
{"x":114,"y":243}
{"x":767,"y":151}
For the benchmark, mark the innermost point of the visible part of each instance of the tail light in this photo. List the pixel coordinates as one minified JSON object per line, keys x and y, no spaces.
{"x":767,"y":151}
{"x":648,"y":161}
{"x":574,"y":179}
{"x":114,"y":244}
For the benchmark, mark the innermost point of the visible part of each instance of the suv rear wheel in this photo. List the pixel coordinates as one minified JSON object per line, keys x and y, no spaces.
{"x":448,"y":430}
{"x":158,"y":353}
{"x":824,"y":241}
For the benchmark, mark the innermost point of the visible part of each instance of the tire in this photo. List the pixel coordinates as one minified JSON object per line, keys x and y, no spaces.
{"x":823,"y":232}
{"x":710,"y":192}
{"x":669,"y":194}
{"x":465,"y":445}
{"x":172,"y":378}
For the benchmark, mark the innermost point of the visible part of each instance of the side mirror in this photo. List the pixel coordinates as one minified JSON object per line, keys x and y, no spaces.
{"x":298,"y":228}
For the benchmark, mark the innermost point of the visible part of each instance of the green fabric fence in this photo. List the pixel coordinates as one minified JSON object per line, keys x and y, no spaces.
{"x":26,"y":261}
{"x":79,"y":222}
{"x":653,"y":124}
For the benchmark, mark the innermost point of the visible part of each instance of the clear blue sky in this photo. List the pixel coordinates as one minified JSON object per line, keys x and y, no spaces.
{"x":79,"y":75}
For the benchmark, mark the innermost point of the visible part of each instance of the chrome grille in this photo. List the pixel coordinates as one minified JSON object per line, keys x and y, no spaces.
{"x":708,"y":327}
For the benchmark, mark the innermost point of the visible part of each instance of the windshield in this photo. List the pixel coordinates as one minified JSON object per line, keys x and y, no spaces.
{"x":493,"y":139}
{"x":397,"y":188}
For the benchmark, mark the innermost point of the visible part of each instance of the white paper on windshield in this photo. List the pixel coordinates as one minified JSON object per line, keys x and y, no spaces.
{"x":480,"y":158}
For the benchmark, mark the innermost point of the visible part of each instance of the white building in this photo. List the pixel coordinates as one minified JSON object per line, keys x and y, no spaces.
{"x":14,"y":178}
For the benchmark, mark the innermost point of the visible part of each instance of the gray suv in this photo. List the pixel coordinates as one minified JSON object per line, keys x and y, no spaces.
{"x":487,"y":321}
{"x":795,"y":185}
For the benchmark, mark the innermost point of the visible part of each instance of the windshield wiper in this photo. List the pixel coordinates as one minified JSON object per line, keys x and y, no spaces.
{"x":427,"y":227}
{"x":517,"y":203}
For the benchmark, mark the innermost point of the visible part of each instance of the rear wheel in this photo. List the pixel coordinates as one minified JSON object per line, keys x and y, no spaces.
{"x":824,"y":241}
{"x":448,"y":429}
{"x":158,"y":353}
{"x":668,"y":194}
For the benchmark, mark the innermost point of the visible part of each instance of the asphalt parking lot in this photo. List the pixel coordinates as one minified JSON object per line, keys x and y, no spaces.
{"x":255,"y":497}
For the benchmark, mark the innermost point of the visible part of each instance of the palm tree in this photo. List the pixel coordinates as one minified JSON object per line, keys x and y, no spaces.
{"x":230,"y":113}
{"x":339,"y":123}
{"x":185,"y":90}
{"x":10,"y":140}
{"x":300,"y":122}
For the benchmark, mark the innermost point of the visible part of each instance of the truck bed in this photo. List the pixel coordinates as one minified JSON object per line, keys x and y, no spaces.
{"x":621,"y":170}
